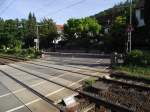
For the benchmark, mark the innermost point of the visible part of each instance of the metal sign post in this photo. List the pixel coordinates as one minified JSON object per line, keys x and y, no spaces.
{"x":37,"y":42}
{"x":130,"y":32}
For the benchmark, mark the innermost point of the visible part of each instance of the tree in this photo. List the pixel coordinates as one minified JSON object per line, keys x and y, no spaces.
{"x":146,"y":13}
{"x":48,"y":33}
{"x":9,"y":34}
{"x":147,"y":19}
{"x":81,"y":32}
{"x":118,"y":37}
{"x":30,"y":28}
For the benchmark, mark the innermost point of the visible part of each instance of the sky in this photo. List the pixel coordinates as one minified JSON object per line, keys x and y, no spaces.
{"x":59,"y":10}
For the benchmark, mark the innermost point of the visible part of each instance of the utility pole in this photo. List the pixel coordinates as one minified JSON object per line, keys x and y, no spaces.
{"x":37,"y":34}
{"x":130,"y":32}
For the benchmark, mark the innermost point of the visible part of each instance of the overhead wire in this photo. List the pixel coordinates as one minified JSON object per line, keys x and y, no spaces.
{"x":2,"y":2}
{"x":7,"y":7}
{"x":48,"y":4}
{"x":64,"y":8}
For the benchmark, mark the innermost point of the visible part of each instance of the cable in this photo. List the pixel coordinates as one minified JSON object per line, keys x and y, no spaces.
{"x":2,"y":2}
{"x":48,"y":4}
{"x":5,"y":9}
{"x":71,"y":5}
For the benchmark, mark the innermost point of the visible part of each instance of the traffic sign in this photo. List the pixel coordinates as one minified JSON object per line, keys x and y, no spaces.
{"x":36,"y":40}
{"x":130,"y":28}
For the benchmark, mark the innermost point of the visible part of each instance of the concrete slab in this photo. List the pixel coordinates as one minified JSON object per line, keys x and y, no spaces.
{"x":56,"y":66}
{"x":63,"y":81}
{"x":72,"y":78}
{"x":23,"y":109}
{"x":57,"y":97}
{"x":3,"y":89}
{"x":24,"y":77}
{"x":10,"y":103}
{"x":45,"y":70}
{"x":47,"y":88}
{"x":13,"y":86}
{"x":42,"y":106}
{"x":52,"y":91}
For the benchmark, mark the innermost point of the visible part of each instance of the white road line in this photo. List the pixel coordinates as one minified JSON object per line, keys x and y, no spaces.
{"x":100,"y":60}
{"x":14,"y":109}
{"x":34,"y":101}
{"x":34,"y":85}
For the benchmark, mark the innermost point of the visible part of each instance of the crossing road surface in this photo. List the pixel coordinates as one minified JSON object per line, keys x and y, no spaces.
{"x":16,"y":98}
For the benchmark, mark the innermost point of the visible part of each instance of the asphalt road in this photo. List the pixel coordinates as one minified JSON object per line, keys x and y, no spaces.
{"x":15,"y":98}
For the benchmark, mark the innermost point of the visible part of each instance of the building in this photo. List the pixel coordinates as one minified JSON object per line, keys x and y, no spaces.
{"x":60,"y":29}
{"x":140,"y":13}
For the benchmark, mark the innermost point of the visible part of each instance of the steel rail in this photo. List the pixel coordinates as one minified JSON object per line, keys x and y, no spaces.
{"x":103,"y":79}
{"x":100,"y":78}
{"x":90,"y":96}
{"x":33,"y":91}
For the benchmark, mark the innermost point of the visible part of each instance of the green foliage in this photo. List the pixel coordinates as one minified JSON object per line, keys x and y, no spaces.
{"x":9,"y":34}
{"x":118,"y":35}
{"x":30,"y":51}
{"x":48,"y":33}
{"x":137,"y":57}
{"x":21,"y":33}
{"x":117,"y":20}
{"x":81,"y":32}
{"x":146,"y":13}
{"x":135,"y":71}
{"x":147,"y":19}
{"x":146,"y":58}
{"x":88,"y":83}
{"x":13,"y":51}
{"x":120,"y":20}
{"x":29,"y":27}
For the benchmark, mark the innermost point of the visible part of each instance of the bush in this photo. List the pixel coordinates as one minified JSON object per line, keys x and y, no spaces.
{"x":2,"y":50}
{"x":31,"y":51}
{"x":146,"y":58}
{"x":88,"y":83}
{"x":135,"y":57}
{"x":13,"y":51}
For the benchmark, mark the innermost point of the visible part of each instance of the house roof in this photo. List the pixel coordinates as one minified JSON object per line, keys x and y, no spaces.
{"x":60,"y":27}
{"x":140,"y":4}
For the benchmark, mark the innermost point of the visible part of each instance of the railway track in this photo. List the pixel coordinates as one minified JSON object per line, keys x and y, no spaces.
{"x":15,"y":96}
{"x":91,"y":96}
{"x":34,"y":91}
{"x":94,"y":70}
{"x":138,"y":101}
{"x":123,"y":76}
{"x":127,"y":80}
{"x":132,"y":85}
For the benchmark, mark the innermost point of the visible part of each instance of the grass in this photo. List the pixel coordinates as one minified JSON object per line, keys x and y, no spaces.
{"x":137,"y":71}
{"x":23,"y":53}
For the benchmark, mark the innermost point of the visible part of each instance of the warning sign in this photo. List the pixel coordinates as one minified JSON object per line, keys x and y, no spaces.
{"x":130,"y":28}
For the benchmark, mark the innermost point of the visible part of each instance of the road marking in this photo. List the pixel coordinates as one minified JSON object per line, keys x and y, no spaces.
{"x":14,"y":109}
{"x":100,"y":60}
{"x":22,"y":89}
{"x":34,"y":85}
{"x":34,"y":101}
